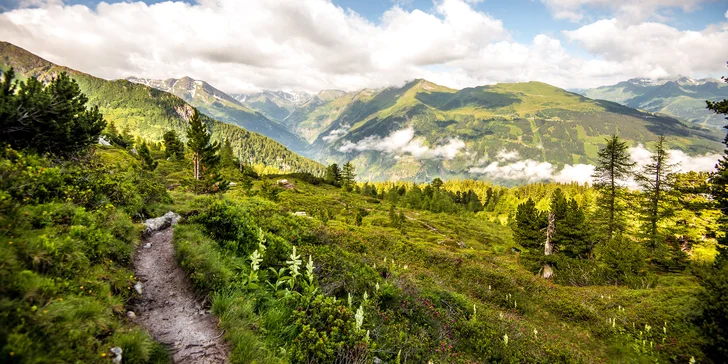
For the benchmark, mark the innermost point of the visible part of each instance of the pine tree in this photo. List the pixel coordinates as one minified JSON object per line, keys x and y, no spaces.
{"x":527,"y":226}
{"x":204,"y":153}
{"x":348,"y":175}
{"x":715,"y":298}
{"x":655,"y":184}
{"x":719,"y":180}
{"x":613,"y":167}
{"x":227,"y":159}
{"x":333,"y":174}
{"x":173,"y":147}
{"x":147,"y":161}
{"x":47,"y":119}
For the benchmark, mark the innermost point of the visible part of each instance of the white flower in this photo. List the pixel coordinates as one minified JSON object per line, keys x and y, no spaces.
{"x":255,"y":260}
{"x":505,"y":339}
{"x":309,"y":269}
{"x":359,"y":317}
{"x":294,"y":263}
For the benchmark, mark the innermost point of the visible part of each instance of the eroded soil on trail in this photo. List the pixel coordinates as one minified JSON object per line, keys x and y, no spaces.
{"x":169,"y":307}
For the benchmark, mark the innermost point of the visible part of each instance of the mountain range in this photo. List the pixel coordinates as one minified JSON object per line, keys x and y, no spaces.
{"x":416,"y":131}
{"x":224,"y":107}
{"x":680,"y":97}
{"x":147,"y":112}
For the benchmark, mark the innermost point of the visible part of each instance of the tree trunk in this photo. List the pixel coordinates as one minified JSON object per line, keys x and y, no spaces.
{"x":549,"y":247}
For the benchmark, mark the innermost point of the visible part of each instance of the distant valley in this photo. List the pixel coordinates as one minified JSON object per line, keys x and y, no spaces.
{"x":680,"y":97}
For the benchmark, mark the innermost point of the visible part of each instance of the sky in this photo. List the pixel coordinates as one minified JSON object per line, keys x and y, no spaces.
{"x":245,"y":46}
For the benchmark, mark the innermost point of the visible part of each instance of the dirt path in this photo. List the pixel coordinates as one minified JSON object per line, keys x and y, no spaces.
{"x":169,"y":308}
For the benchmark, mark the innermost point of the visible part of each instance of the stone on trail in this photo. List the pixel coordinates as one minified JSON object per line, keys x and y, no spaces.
{"x":160,"y":223}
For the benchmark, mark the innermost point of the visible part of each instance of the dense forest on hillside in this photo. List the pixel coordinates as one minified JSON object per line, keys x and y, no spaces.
{"x":304,"y":267}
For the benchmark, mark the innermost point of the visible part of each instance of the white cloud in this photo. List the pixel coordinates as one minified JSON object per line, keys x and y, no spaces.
{"x":402,"y":142}
{"x":682,"y":161}
{"x":531,"y":171}
{"x":653,"y":49}
{"x":246,"y":46}
{"x":505,"y":155}
{"x":630,"y":10}
{"x":335,"y":134}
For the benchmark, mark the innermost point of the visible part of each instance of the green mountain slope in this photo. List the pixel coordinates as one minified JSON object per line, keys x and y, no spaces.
{"x":148,"y":112}
{"x":423,"y":130}
{"x":681,"y":97}
{"x":224,"y":107}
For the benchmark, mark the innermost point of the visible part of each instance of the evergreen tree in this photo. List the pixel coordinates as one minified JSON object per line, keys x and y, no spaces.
{"x":527,"y":226}
{"x":333,"y":174}
{"x":227,"y":159}
{"x":613,"y":167}
{"x":173,"y":147}
{"x":348,"y":175}
{"x":719,"y":180}
{"x":655,"y":184}
{"x":147,"y":161}
{"x":47,"y":119}
{"x":622,"y":258}
{"x":715,"y":298}
{"x":204,"y":153}
{"x":437,"y":183}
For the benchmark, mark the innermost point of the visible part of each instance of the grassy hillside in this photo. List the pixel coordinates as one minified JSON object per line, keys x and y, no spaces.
{"x":682,"y":98}
{"x":223,"y":107}
{"x":539,"y":121}
{"x":148,"y":112}
{"x":443,"y":287}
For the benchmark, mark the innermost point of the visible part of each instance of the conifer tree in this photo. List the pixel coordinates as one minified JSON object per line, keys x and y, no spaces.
{"x":347,"y":175}
{"x":47,"y":119}
{"x":613,"y":167}
{"x":715,"y":298}
{"x":147,"y":161}
{"x":173,"y":147}
{"x":655,"y":184}
{"x":333,"y":174}
{"x":527,"y":226}
{"x":227,"y":159}
{"x":204,"y":153}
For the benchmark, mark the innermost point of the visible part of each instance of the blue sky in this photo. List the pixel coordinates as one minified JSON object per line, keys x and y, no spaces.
{"x":315,"y":44}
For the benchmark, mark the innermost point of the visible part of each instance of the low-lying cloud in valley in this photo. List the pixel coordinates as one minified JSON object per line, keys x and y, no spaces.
{"x":403,"y":142}
{"x":508,"y":166}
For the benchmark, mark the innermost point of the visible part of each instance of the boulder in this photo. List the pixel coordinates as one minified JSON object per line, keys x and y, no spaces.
{"x":160,"y":223}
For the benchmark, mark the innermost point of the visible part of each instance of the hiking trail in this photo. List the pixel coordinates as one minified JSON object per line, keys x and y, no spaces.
{"x":169,"y":308}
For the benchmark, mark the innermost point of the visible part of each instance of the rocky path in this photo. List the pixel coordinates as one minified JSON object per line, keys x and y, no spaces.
{"x":169,"y":307}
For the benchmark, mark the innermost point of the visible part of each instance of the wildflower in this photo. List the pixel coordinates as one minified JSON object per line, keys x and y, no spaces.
{"x":359,"y":317}
{"x":103,"y":354}
{"x":10,"y":243}
{"x":366,"y":296}
{"x":309,"y":269}
{"x":294,"y":263}
{"x":535,"y":333}
{"x":614,"y":322}
{"x":648,"y":328}
{"x":475,"y":312}
{"x":692,"y":360}
{"x":505,"y":339}
{"x":255,"y":260}
{"x":349,"y":299}
{"x":376,"y":287}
